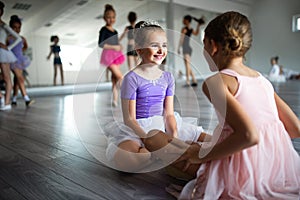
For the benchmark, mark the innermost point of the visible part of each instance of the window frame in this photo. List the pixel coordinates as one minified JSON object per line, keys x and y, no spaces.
{"x":296,"y":23}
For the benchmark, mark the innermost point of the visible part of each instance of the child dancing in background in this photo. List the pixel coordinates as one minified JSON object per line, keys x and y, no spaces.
{"x":22,"y":62}
{"x":131,"y":53}
{"x":55,"y":49}
{"x":112,"y":56}
{"x":6,"y":57}
{"x":184,"y":42}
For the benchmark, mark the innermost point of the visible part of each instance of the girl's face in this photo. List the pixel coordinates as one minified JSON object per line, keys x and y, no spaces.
{"x":55,"y":40}
{"x":16,"y":27}
{"x":185,"y":22}
{"x":208,"y":52}
{"x":110,"y":18}
{"x":155,"y":49}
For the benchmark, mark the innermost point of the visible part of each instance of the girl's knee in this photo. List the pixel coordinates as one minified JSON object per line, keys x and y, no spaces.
{"x":156,"y":139}
{"x":130,"y":161}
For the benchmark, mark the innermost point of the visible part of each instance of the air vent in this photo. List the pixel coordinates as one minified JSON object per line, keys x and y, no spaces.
{"x":191,"y":8}
{"x":82,"y":2}
{"x":70,"y":34}
{"x":99,"y":17}
{"x":48,"y":24}
{"x":21,"y":6}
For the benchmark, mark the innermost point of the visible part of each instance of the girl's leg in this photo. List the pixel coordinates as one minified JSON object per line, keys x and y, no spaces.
{"x":116,"y":79}
{"x":187,"y":59}
{"x":15,"y":90}
{"x":131,"y":61}
{"x":131,"y":157}
{"x":21,"y":82}
{"x":189,"y":71}
{"x":61,"y":74}
{"x":5,"y":68}
{"x":169,"y":149}
{"x":106,"y":74}
{"x":114,"y":90}
{"x":55,"y":73}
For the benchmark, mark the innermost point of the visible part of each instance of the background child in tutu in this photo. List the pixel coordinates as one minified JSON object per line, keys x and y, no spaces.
{"x":252,"y":156}
{"x":21,"y":64}
{"x":6,"y":57}
{"x":112,"y":56}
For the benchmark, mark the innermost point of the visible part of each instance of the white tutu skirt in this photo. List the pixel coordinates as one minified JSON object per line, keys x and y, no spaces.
{"x":7,"y":56}
{"x":117,"y":132}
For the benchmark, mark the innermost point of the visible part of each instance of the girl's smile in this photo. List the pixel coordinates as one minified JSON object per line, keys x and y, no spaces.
{"x":155,"y":50}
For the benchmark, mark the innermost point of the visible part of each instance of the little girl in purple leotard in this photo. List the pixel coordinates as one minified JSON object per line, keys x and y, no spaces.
{"x":22,"y":62}
{"x":147,"y":95}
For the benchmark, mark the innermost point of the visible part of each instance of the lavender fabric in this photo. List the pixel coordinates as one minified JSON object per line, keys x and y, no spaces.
{"x":149,"y":94}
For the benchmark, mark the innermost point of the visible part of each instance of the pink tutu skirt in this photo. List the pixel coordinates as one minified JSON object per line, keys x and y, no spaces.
{"x":111,"y":57}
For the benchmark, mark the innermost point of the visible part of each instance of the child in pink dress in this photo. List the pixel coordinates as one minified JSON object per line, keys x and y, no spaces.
{"x":251,"y":155}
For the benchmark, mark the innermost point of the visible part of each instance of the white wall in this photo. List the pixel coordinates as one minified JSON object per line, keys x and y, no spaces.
{"x":272,"y":34}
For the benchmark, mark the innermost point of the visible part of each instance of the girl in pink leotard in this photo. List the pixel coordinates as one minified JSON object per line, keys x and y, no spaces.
{"x":251,"y":155}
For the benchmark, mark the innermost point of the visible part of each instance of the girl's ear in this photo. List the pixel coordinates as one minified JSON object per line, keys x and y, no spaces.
{"x":138,"y":50}
{"x":214,"y":48}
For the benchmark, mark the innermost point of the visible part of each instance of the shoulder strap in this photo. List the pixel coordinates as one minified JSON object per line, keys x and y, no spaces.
{"x":230,"y":72}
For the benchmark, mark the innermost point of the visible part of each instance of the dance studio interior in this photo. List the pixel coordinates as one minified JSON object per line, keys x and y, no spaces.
{"x":56,"y":147}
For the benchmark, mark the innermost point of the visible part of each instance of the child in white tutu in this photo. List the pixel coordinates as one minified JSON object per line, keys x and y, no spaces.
{"x":147,"y":95}
{"x":6,"y":57}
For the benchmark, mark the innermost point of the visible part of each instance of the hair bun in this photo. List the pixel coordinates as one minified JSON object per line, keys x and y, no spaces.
{"x":14,"y":17}
{"x":108,"y":7}
{"x":1,"y":5}
{"x":235,"y":43}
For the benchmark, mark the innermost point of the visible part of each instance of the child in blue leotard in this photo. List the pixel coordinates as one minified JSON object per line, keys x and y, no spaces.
{"x":147,"y":95}
{"x":55,"y":49}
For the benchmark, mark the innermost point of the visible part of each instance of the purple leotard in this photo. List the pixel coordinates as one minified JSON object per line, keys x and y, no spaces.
{"x":149,"y":94}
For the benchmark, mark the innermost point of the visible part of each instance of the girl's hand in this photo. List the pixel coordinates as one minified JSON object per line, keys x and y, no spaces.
{"x":3,"y":46}
{"x":191,"y":156}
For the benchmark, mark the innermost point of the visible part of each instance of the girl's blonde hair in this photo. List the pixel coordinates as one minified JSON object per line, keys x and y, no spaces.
{"x":141,"y":30}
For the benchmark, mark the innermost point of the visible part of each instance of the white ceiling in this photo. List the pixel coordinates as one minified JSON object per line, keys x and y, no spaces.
{"x":79,"y":22}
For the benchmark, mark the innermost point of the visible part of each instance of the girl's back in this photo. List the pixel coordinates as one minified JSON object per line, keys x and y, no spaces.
{"x":256,"y":95}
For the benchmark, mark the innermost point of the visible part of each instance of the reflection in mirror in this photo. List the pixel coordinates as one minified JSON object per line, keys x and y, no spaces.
{"x":77,"y":25}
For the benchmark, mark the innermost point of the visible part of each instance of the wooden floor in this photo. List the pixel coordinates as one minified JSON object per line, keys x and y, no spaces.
{"x":51,"y":150}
